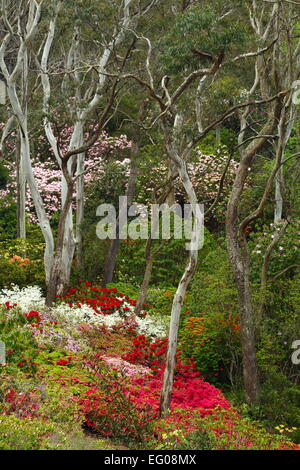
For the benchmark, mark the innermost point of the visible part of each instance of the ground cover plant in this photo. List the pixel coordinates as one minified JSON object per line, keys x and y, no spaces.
{"x":97,"y":367}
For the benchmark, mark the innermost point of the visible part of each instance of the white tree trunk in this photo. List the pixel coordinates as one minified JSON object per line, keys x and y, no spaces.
{"x":284,"y":133}
{"x":21,"y":192}
{"x":166,"y":392}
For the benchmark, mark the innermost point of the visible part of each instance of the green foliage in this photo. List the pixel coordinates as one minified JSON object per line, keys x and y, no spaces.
{"x":200,"y":439}
{"x":94,"y":255}
{"x":210,"y":144}
{"x":125,"y":287}
{"x":209,"y":330}
{"x":199,"y":29}
{"x":280,"y":399}
{"x":8,"y":222}
{"x":167,"y":266}
{"x":280,"y":395}
{"x":160,"y":300}
{"x":19,"y":342}
{"x":4,"y":173}
{"x":213,"y":288}
{"x":24,"y":434}
{"x":107,"y":188}
{"x":213,"y":342}
{"x":38,"y":434}
{"x":21,"y":263}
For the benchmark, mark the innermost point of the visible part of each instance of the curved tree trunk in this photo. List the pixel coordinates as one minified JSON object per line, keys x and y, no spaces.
{"x":166,"y":392}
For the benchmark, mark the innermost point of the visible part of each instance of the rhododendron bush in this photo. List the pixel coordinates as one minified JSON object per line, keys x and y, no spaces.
{"x":205,"y":173}
{"x":89,"y":360}
{"x":48,"y":175}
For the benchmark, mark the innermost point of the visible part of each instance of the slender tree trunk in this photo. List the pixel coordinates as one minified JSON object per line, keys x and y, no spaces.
{"x":167,"y":387}
{"x":111,"y":258}
{"x":172,"y":172}
{"x":79,"y":210}
{"x":166,"y":392}
{"x":65,"y":245}
{"x":240,"y":262}
{"x":145,"y":284}
{"x":284,"y":132}
{"x":149,"y":256}
{"x":21,"y":193}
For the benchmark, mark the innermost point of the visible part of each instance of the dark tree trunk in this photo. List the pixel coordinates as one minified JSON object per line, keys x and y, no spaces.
{"x":238,"y":254}
{"x":147,"y":276}
{"x":111,"y":258}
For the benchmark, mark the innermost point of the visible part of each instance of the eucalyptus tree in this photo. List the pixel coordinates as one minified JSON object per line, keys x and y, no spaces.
{"x":274,"y":87}
{"x":211,"y":40}
{"x":88,"y":97}
{"x":31,"y":30}
{"x":19,"y":23}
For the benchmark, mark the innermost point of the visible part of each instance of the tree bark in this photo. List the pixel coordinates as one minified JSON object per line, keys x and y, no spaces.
{"x":111,"y":258}
{"x":166,"y":391}
{"x":21,"y":193}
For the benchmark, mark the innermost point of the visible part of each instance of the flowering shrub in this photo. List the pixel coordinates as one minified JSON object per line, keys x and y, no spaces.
{"x":146,"y":352}
{"x":209,"y":340}
{"x":222,"y":430}
{"x":21,"y":399}
{"x":126,"y":368}
{"x":19,"y":268}
{"x":106,"y":383}
{"x":205,"y":173}
{"x":91,"y":304}
{"x":285,"y":253}
{"x":48,"y":175}
{"x":26,"y":298}
{"x":109,"y":408}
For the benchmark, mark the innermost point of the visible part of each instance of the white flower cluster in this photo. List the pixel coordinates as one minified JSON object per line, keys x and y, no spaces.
{"x":151,"y":326}
{"x":27,"y":298}
{"x":31,"y":298}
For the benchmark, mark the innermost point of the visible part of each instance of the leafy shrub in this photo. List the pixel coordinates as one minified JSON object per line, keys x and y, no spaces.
{"x":160,"y":300}
{"x":131,"y":290}
{"x":168,"y":264}
{"x":24,"y":434}
{"x":199,"y":439}
{"x":21,"y":263}
{"x":209,"y":329}
{"x":20,"y":344}
{"x":109,"y":410}
{"x":213,"y":287}
{"x":8,"y":222}
{"x":213,"y":342}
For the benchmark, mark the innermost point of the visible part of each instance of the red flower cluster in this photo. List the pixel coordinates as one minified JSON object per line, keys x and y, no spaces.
{"x":22,"y":404}
{"x":146,"y":353}
{"x":65,"y":361}
{"x":33,"y":315}
{"x":101,"y":299}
